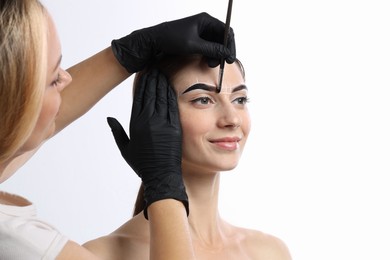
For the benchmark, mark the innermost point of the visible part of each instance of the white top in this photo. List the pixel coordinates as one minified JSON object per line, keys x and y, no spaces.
{"x":23,"y":236}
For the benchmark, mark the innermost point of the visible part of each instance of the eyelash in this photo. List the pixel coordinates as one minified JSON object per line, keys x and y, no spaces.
{"x":243,"y":100}
{"x":57,"y":80}
{"x":196,"y":100}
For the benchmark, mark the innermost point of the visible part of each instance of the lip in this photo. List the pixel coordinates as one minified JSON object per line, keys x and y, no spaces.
{"x":227,"y":143}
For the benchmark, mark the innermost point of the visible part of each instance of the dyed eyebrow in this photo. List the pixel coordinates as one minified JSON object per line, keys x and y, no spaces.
{"x":200,"y":86}
{"x":211,"y":88}
{"x":240,"y":87}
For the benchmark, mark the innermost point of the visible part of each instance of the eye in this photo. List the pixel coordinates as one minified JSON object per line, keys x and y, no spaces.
{"x":57,"y":81}
{"x":63,"y":78}
{"x":241,"y":100}
{"x":202,"y":101}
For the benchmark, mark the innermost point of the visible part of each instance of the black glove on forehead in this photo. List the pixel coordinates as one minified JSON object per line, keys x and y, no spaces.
{"x":198,"y":34}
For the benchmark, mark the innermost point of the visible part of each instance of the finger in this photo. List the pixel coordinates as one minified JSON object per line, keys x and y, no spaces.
{"x":231,"y":45}
{"x":118,"y":132}
{"x":214,"y":52}
{"x":228,"y":52}
{"x":173,"y":115}
{"x":213,"y":62}
{"x":149,"y":99}
{"x":210,"y":38}
{"x":213,"y":31}
{"x":139,"y":91}
{"x":162,"y":96}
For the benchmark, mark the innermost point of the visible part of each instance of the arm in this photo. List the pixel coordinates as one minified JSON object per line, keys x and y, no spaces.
{"x":96,"y":76}
{"x":93,"y":78}
{"x":169,"y":231}
{"x":154,"y":126}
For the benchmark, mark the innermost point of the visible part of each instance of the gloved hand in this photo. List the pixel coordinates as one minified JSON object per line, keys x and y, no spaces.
{"x":198,"y":34}
{"x":154,"y":147}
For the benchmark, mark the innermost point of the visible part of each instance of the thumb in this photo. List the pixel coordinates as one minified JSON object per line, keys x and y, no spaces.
{"x":119,"y":133}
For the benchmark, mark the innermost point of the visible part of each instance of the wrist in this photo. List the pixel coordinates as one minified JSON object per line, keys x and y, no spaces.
{"x":134,"y":51}
{"x":170,"y":187}
{"x":166,"y":206}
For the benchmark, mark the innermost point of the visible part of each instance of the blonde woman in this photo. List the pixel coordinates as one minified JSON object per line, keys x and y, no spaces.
{"x":38,"y":98}
{"x":215,"y":127}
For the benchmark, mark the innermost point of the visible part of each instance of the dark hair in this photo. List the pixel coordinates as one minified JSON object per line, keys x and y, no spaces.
{"x":139,"y":204}
{"x":169,"y":66}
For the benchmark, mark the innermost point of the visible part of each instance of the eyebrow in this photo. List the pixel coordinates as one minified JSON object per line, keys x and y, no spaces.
{"x":211,"y":88}
{"x":58,"y":63}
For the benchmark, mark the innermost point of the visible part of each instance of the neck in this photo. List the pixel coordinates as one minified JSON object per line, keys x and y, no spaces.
{"x":3,"y":171}
{"x":11,"y":165}
{"x":205,"y":221}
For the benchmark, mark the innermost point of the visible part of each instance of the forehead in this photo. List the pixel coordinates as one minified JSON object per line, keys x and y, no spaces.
{"x":54,"y":45}
{"x":200,"y":72}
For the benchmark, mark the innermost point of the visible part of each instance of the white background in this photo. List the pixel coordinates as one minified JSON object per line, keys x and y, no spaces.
{"x":315,"y":169}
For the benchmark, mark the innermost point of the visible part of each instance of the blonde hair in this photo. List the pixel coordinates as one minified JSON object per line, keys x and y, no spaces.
{"x":23,"y":63}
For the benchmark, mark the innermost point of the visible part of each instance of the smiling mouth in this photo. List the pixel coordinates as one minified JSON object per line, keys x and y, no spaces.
{"x":227,"y":144}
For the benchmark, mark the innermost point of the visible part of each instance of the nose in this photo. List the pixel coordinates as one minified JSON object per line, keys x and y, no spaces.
{"x":229,"y":117}
{"x":66,"y":79}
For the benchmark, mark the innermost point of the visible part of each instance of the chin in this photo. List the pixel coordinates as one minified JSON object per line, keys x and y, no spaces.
{"x":227,"y":163}
{"x":36,"y":140}
{"x":51,"y":132}
{"x":227,"y":168}
{"x":222,"y":165}
{"x":210,"y":163}
{"x":28,"y":146}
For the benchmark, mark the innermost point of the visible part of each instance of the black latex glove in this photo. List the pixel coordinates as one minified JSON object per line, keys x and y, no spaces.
{"x":154,"y":147}
{"x":198,"y":34}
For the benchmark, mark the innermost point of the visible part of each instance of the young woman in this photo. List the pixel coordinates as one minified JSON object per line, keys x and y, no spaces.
{"x":38,"y":99}
{"x":215,"y":127}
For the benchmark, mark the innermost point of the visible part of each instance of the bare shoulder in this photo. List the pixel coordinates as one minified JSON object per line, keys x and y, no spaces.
{"x":73,"y":251}
{"x":103,"y":247}
{"x":127,"y":242}
{"x":260,"y":245}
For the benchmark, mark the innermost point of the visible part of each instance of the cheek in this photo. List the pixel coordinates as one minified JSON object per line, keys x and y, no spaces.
{"x":195,"y":126}
{"x":44,"y":127}
{"x":245,"y":126}
{"x":246,"y":123}
{"x":50,"y":107}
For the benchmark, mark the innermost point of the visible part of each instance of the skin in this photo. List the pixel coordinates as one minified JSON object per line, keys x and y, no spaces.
{"x":64,"y":101}
{"x":215,"y":129}
{"x":57,"y":80}
{"x":208,"y":117}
